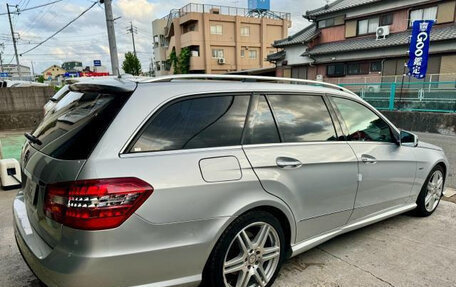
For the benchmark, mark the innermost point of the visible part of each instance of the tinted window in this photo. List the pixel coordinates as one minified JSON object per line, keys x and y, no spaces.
{"x":262,"y":128}
{"x":73,"y":130}
{"x":195,"y":123}
{"x":362,"y":123}
{"x":302,"y":118}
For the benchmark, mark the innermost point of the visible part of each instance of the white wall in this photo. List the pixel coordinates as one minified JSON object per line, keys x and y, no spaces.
{"x":293,"y":55}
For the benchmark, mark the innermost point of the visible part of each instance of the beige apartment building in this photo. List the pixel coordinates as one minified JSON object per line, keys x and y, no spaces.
{"x":221,"y":39}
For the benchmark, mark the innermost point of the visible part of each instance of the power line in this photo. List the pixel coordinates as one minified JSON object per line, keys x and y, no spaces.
{"x":60,"y":30}
{"x":31,"y":8}
{"x":39,"y":17}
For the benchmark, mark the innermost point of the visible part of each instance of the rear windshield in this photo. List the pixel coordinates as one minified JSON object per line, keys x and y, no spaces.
{"x":75,"y":125}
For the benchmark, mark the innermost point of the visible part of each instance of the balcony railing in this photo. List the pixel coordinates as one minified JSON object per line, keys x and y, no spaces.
{"x":223,"y":10}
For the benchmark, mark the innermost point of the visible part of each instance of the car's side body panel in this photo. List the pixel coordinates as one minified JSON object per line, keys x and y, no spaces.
{"x":325,"y":184}
{"x":386,"y":182}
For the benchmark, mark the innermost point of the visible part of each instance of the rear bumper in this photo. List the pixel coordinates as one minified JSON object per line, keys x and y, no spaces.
{"x":177,"y":262}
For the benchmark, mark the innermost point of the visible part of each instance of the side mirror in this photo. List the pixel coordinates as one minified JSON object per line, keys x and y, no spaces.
{"x":409,"y":139}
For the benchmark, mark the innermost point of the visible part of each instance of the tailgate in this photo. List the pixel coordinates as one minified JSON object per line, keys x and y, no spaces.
{"x":39,"y":169}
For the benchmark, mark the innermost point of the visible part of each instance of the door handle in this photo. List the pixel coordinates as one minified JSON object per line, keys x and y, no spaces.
{"x":368,"y":159}
{"x":288,"y":162}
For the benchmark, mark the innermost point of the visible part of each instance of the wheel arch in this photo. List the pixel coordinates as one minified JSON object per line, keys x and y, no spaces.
{"x":277,"y":209}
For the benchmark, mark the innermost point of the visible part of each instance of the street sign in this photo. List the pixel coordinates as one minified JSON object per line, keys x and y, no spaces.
{"x":72,"y":74}
{"x":419,"y":48}
{"x":259,"y":4}
{"x":4,"y":75}
{"x":97,"y":63}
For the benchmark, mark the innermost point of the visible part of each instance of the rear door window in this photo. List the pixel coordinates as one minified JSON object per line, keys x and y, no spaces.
{"x":212,"y":121}
{"x":74,"y":127}
{"x":262,"y":128}
{"x":302,"y":118}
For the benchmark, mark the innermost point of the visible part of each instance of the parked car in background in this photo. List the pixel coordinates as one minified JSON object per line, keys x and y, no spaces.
{"x":213,"y":180}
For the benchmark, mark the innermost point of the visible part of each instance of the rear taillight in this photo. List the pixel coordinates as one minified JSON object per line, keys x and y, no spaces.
{"x":95,"y":204}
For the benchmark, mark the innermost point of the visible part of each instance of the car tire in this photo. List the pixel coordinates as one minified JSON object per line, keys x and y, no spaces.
{"x":253,"y":245}
{"x":431,"y":192}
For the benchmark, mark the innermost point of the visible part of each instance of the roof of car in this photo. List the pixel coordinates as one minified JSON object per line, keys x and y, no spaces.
{"x":191,"y":84}
{"x":187,"y":87}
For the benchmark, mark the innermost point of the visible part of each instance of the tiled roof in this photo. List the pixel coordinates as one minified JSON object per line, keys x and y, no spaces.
{"x":338,"y":5}
{"x":277,"y":56}
{"x":396,"y":39}
{"x":305,"y":35}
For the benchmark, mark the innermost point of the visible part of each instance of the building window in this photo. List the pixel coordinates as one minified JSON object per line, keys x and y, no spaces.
{"x":376,"y":66}
{"x":253,"y":54}
{"x":242,"y":53}
{"x":217,"y":53}
{"x":216,"y":29}
{"x":386,"y":20}
{"x":353,"y":69}
{"x":326,"y":23}
{"x":429,"y":13}
{"x":357,"y":69}
{"x":245,"y":31}
{"x":335,"y":70}
{"x":368,"y":26}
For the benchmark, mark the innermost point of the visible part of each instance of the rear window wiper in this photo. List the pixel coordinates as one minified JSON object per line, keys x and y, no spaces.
{"x":33,"y":139}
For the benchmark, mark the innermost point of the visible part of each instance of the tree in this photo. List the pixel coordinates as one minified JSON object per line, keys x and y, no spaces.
{"x":131,"y":64}
{"x":180,"y":63}
{"x":173,"y":61}
{"x":184,"y":61}
{"x":40,"y":79}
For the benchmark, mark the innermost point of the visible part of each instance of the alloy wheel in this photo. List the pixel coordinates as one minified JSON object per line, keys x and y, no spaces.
{"x":252,"y":257}
{"x":434,"y":191}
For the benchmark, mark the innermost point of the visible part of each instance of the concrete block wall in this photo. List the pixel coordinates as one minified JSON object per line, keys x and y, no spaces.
{"x":22,"y":107}
{"x":436,"y":123}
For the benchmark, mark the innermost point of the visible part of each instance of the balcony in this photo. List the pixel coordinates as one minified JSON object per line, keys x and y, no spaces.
{"x":191,"y":38}
{"x":197,"y":63}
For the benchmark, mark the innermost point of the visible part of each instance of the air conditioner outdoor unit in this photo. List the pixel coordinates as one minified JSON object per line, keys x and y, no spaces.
{"x":221,"y":61}
{"x":382,"y":32}
{"x":319,"y":78}
{"x":373,"y":88}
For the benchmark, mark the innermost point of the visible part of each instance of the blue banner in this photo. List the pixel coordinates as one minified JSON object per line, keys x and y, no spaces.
{"x":419,"y":48}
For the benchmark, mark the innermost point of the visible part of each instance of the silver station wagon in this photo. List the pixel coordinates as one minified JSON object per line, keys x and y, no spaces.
{"x":206,"y":179}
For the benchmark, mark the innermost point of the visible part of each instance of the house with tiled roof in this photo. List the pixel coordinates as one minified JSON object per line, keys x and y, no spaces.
{"x":342,"y":45}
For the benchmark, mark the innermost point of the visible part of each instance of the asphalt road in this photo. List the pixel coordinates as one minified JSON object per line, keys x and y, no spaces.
{"x":448,"y":143}
{"x":401,"y":251}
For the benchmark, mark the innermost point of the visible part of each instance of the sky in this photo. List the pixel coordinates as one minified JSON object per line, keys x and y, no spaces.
{"x":86,"y":39}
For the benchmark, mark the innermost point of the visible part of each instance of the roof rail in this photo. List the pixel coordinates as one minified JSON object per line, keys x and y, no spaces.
{"x":245,"y":79}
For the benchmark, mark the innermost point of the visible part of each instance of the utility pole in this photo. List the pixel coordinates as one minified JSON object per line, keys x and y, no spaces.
{"x":33,"y":72}
{"x":111,"y":37}
{"x":2,"y":46}
{"x":133,"y":30}
{"x":14,"y":41}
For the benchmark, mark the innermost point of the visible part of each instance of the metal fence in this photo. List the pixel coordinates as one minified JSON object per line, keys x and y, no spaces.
{"x":410,"y":96}
{"x":446,"y":77}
